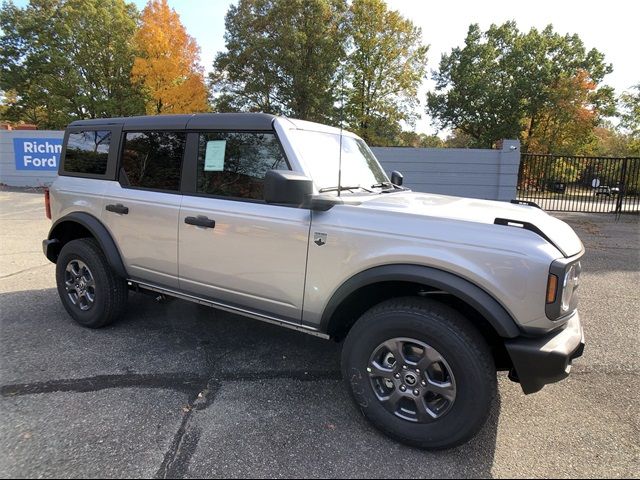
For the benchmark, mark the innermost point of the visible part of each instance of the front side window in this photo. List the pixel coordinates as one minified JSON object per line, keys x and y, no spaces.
{"x":152,"y":160}
{"x":87,"y":152}
{"x":234,"y":164}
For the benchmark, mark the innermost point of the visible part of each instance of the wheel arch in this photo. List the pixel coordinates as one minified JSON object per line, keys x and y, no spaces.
{"x":83,"y":225}
{"x":381,"y":283}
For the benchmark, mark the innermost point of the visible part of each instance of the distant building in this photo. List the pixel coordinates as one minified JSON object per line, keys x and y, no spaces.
{"x":22,"y":126}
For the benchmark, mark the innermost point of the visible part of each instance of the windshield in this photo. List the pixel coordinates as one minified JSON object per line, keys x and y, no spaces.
{"x":319,"y":152}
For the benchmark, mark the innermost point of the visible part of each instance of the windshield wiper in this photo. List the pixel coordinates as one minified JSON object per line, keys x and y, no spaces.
{"x":383,"y":185}
{"x":341,"y":188}
{"x":388,"y":185}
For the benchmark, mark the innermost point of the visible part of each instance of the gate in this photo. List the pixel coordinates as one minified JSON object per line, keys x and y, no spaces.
{"x":580,"y":184}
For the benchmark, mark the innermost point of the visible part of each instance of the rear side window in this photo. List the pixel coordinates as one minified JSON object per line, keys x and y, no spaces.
{"x":235,"y":164}
{"x":87,"y":152}
{"x":152,"y":160}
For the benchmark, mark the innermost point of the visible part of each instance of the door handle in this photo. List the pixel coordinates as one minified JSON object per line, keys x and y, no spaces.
{"x":200,"y":221}
{"x":119,"y":208}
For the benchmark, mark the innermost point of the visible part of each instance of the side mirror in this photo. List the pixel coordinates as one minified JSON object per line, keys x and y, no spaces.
{"x":397,"y":178}
{"x":287,"y":187}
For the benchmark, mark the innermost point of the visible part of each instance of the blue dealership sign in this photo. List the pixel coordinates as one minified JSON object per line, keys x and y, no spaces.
{"x":37,"y":153}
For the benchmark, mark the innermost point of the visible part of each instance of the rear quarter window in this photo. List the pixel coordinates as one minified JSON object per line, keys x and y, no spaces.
{"x":87,"y":152}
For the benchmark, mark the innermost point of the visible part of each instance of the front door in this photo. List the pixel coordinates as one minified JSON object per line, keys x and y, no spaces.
{"x":233,"y":247}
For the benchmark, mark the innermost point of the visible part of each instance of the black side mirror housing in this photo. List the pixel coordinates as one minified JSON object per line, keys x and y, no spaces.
{"x":287,"y":188}
{"x":397,"y":178}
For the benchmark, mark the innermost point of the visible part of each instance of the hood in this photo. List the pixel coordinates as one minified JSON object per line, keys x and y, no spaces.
{"x":502,"y":214}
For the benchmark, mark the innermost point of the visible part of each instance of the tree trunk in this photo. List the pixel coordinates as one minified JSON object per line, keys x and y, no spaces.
{"x":532,"y":124}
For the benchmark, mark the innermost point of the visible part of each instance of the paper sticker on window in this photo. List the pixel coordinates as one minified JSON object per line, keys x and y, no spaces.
{"x":214,"y":156}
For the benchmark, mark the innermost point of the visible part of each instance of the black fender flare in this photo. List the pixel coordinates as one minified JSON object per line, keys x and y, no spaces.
{"x":476,"y":297}
{"x":52,"y":246}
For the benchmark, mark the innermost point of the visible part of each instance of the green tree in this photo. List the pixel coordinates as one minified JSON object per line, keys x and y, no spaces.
{"x":507,"y":84}
{"x":564,"y":171}
{"x":566,"y":125}
{"x":68,"y":59}
{"x":611,"y":142}
{"x":385,"y":66}
{"x":418,"y":140}
{"x":430,"y":141}
{"x":281,"y":57}
{"x":630,"y":111}
{"x":459,"y":139}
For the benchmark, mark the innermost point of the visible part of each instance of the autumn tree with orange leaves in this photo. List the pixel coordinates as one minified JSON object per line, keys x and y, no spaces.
{"x":566,"y":124}
{"x":167,"y":65}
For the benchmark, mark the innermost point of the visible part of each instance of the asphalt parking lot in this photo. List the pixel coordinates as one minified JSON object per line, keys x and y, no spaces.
{"x":176,"y":390}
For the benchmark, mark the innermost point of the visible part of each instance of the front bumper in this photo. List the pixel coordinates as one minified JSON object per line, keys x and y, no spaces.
{"x":539,"y":361}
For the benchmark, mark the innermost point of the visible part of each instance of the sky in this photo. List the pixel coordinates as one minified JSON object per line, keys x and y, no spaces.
{"x":611,"y":27}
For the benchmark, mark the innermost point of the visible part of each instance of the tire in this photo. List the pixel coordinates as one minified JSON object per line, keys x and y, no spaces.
{"x":466,"y":376}
{"x":89,"y":289}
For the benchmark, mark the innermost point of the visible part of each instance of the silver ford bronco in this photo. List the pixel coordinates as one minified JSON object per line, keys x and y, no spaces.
{"x":296,"y":224}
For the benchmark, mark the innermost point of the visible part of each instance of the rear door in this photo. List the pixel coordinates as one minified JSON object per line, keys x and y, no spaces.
{"x":143,"y":205}
{"x":233,"y":247}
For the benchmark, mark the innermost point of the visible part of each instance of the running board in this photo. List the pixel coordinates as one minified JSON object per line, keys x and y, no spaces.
{"x":228,"y":308}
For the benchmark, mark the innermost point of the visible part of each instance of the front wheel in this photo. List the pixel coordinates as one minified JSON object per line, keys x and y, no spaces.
{"x":420,"y":372}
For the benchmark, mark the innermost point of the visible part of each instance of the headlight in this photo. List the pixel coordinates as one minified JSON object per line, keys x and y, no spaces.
{"x":562,"y":298}
{"x":569,"y":286}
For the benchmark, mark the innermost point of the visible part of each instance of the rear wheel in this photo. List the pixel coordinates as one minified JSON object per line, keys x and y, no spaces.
{"x":90,"y":290}
{"x":420,"y":372}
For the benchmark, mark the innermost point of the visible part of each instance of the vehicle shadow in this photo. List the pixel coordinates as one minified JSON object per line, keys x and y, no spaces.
{"x":183,"y":346}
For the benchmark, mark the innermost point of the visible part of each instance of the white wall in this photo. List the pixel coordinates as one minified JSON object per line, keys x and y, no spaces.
{"x":13,"y":177}
{"x":475,"y":173}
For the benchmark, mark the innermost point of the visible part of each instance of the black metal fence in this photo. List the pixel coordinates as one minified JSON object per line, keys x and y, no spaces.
{"x":580,"y":184}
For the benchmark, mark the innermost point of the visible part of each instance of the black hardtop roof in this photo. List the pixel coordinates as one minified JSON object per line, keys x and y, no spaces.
{"x":200,"y":121}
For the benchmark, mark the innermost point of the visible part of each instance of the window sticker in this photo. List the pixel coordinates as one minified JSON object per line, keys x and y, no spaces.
{"x":214,"y":156}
